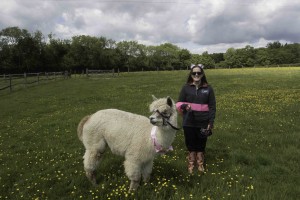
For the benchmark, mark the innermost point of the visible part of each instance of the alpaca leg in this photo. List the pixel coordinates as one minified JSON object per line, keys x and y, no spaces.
{"x":92,"y":158}
{"x":133,"y":172}
{"x":91,"y":161}
{"x":146,"y":171}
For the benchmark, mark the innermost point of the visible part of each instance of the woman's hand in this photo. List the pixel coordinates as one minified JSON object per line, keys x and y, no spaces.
{"x":186,"y":107}
{"x":209,"y":127}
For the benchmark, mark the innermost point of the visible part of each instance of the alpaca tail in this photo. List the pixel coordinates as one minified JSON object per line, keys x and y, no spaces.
{"x":80,"y":126}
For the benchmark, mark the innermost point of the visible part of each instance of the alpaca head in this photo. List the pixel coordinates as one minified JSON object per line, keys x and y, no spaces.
{"x":162,"y":110}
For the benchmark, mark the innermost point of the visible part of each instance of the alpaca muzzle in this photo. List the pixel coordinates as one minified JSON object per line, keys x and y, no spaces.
{"x":152,"y":120}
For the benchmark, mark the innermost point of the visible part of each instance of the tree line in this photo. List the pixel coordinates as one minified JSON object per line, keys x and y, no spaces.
{"x":22,"y":51}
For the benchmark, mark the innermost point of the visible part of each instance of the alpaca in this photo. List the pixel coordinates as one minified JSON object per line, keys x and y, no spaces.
{"x":129,"y":135}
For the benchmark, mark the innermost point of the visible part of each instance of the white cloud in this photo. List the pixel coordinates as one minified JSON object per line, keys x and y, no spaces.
{"x":197,"y":25}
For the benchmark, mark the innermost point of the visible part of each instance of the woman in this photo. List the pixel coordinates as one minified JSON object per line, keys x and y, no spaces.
{"x":198,"y":104}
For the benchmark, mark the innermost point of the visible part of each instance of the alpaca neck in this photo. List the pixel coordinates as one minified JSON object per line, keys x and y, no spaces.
{"x":165,"y":135}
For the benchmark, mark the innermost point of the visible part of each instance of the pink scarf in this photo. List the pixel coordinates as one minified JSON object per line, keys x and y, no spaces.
{"x":158,"y":147}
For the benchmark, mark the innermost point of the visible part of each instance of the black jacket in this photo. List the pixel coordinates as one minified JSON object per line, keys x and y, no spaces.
{"x":203,"y":103}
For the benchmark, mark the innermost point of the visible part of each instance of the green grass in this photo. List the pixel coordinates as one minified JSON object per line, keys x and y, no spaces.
{"x":254,"y":152}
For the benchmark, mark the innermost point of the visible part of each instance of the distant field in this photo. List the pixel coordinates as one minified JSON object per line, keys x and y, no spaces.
{"x":254,"y":152}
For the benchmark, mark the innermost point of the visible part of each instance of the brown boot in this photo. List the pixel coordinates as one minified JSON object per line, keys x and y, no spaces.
{"x":200,"y":161}
{"x":191,"y":161}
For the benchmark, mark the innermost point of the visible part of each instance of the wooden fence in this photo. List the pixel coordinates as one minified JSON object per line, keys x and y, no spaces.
{"x":92,"y":72}
{"x":11,"y":81}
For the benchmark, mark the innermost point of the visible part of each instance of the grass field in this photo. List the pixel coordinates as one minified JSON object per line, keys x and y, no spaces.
{"x":254,"y":152}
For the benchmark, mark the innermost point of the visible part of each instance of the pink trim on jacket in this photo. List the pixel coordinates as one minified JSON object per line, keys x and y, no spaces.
{"x":194,"y":106}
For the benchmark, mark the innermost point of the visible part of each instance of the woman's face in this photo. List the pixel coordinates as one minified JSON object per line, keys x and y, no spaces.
{"x":197,"y":74}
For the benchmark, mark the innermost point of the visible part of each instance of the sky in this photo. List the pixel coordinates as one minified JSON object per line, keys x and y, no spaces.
{"x":196,"y":25}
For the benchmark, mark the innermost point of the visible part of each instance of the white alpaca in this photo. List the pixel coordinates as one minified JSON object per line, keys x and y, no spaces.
{"x":128,"y":135}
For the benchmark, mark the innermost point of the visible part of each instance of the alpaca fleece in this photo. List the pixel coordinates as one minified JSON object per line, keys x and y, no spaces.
{"x":128,"y":135}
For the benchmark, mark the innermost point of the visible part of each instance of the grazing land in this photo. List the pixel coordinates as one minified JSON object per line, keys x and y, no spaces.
{"x":254,"y":152}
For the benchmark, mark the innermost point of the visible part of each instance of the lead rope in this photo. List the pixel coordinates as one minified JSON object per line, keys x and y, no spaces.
{"x":166,"y":118}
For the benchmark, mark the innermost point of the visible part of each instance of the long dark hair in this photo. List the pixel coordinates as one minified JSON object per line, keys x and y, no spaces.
{"x":203,"y":80}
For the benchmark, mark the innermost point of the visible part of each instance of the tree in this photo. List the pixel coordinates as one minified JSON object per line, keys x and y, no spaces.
{"x":246,"y":56}
{"x":231,"y":58}
{"x":274,"y":45}
{"x":262,"y":58}
{"x":55,"y":55}
{"x":292,"y":53}
{"x":167,"y":54}
{"x":217,"y":57}
{"x":33,"y":52}
{"x":184,"y":57}
{"x":204,"y":59}
{"x":150,"y":52}
{"x":207,"y":61}
{"x":129,"y":53}
{"x":12,"y":48}
{"x":87,"y":52}
{"x":110,"y":59}
{"x":21,"y":51}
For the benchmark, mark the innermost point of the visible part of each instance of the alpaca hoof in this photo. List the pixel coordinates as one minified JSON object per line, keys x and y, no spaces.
{"x":146,"y":179}
{"x":94,"y":183}
{"x":133,"y":185}
{"x":130,"y":191}
{"x":92,"y":178}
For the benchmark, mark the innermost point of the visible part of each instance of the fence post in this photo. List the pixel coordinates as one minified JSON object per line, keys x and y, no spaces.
{"x":25,"y":79}
{"x":65,"y":74}
{"x":87,"y":72}
{"x":10,"y":87}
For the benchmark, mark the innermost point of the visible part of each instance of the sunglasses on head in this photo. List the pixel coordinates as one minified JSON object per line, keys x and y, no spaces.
{"x":196,"y":73}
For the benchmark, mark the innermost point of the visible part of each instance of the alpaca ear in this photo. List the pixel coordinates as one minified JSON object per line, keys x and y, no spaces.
{"x":154,"y":98}
{"x":169,"y":101}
